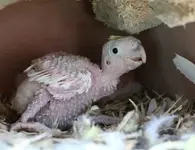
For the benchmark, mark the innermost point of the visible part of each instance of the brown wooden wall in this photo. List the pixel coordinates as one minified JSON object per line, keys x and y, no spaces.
{"x":160,"y":73}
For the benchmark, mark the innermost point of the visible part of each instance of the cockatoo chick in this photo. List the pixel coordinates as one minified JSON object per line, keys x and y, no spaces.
{"x":59,"y":86}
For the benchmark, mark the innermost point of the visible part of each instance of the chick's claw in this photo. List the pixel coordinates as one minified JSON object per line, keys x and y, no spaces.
{"x":34,"y":127}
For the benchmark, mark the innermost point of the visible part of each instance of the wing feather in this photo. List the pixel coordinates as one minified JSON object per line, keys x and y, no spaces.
{"x":68,"y":78}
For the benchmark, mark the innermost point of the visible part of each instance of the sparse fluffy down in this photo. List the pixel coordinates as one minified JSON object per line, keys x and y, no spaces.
{"x":60,"y":86}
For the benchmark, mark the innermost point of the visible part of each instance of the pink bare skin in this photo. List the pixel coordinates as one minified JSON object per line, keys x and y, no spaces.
{"x":60,"y":86}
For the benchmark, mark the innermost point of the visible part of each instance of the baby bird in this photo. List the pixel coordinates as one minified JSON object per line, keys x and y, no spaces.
{"x":59,"y":86}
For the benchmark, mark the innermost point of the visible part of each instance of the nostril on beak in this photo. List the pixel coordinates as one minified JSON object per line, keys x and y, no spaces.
{"x":136,"y":46}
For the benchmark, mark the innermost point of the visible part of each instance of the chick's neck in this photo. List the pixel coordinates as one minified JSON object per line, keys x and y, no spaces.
{"x":106,"y":85}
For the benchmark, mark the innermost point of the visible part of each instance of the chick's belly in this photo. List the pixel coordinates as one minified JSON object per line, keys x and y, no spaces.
{"x":60,"y":114}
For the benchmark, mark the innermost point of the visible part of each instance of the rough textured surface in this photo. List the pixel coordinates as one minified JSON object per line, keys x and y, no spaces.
{"x":135,"y":16}
{"x":174,"y":12}
{"x":66,"y":84}
{"x":132,"y":16}
{"x":4,"y":3}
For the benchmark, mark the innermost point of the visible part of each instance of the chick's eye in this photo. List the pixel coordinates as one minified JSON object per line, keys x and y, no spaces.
{"x":115,"y":50}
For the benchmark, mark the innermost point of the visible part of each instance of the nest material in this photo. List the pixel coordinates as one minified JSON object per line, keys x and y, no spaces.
{"x":134,"y":16}
{"x":148,"y":122}
{"x":4,"y":3}
{"x":131,"y":16}
{"x":174,"y":12}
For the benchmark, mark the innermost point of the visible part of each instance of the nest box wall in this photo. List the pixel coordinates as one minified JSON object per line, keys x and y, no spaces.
{"x":159,"y":73}
{"x":31,"y":29}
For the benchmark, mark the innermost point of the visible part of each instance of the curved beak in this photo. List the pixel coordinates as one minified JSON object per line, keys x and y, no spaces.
{"x":143,"y":54}
{"x":142,"y":57}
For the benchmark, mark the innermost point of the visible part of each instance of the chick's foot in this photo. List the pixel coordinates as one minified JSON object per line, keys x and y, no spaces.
{"x":33,"y":127}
